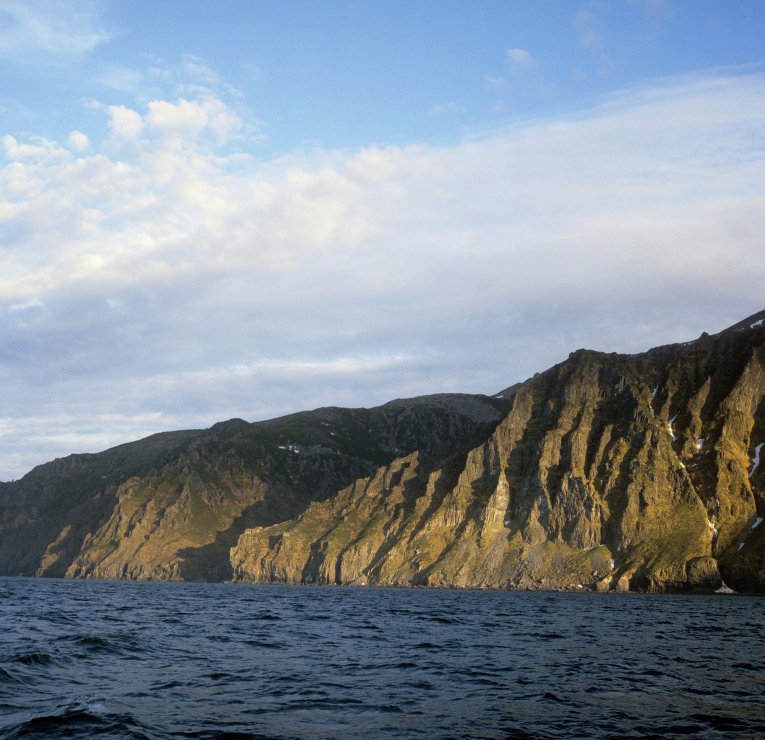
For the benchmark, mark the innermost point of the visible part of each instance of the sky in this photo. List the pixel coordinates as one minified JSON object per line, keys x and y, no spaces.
{"x":248,"y":208}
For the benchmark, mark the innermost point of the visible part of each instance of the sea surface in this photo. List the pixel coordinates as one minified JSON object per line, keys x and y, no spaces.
{"x":151,"y":660}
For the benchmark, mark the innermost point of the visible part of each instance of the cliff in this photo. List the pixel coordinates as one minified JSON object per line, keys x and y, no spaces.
{"x":170,"y":507}
{"x":606,"y":472}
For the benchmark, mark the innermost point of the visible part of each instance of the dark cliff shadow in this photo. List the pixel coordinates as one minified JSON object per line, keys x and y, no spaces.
{"x":212,"y":562}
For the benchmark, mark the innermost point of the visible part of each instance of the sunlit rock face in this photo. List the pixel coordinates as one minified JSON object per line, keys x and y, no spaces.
{"x":171,"y":506}
{"x":606,"y":472}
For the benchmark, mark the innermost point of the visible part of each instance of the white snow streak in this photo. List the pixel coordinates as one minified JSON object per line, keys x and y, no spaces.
{"x":756,"y":524}
{"x":669,"y":426}
{"x":756,"y":461}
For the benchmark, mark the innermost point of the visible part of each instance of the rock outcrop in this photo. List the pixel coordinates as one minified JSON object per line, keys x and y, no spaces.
{"x":606,"y":472}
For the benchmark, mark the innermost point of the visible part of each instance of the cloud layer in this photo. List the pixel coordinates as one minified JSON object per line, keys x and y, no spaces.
{"x":160,"y":279}
{"x":49,"y":27}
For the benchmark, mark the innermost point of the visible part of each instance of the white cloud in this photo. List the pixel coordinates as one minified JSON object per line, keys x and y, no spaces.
{"x":49,"y":27}
{"x":195,"y":68}
{"x":181,"y":102}
{"x":520,"y":61}
{"x":79,"y":141}
{"x":38,"y":150}
{"x":123,"y":78}
{"x":183,"y":117}
{"x":188,"y":77}
{"x":252,"y":70}
{"x":495,"y":84}
{"x":185,"y":120}
{"x":587,"y":34}
{"x":222,"y":286}
{"x":190,"y":70}
{"x":124,"y":123}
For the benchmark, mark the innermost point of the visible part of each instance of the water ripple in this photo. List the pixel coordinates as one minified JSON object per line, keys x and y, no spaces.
{"x":166,"y":661}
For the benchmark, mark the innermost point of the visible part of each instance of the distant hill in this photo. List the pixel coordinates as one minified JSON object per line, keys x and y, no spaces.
{"x":604,"y":472}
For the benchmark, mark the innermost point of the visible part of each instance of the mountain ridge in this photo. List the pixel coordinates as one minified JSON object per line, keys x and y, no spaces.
{"x":604,"y":472}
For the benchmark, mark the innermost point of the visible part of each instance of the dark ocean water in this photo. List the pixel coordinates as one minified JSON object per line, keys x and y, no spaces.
{"x":142,"y":660}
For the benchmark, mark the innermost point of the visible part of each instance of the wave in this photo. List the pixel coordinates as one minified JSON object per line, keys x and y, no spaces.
{"x":119,"y":644}
{"x":79,"y":720}
{"x":33,"y":658}
{"x":6,"y":677}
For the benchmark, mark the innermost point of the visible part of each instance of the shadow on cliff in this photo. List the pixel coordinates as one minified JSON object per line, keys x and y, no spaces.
{"x":212,"y":562}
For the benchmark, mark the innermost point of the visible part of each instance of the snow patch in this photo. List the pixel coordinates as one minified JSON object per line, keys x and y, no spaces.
{"x":724,"y":589}
{"x":757,"y":522}
{"x":700,"y":443}
{"x":650,"y":403}
{"x":612,"y":563}
{"x":756,"y":460}
{"x":740,"y":546}
{"x":757,"y":323}
{"x":712,"y":527}
{"x":669,"y":427}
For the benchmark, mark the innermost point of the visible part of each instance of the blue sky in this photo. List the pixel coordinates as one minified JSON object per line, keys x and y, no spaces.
{"x":350,"y":74}
{"x":249,"y":208}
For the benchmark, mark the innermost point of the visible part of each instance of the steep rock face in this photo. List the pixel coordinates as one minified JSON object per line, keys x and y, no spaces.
{"x":155,"y":520}
{"x":608,"y":472}
{"x":45,"y":515}
{"x":170,"y":507}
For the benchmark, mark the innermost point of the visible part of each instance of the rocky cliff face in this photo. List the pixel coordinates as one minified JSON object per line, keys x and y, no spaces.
{"x":45,"y":515}
{"x":609,"y":472}
{"x":604,"y":472}
{"x":171,"y":507}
